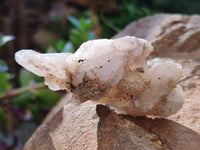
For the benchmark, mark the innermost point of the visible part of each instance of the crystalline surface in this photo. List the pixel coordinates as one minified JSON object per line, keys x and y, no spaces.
{"x":113,"y":72}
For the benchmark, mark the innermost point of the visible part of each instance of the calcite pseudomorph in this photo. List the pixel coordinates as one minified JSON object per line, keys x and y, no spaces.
{"x":114,"y":72}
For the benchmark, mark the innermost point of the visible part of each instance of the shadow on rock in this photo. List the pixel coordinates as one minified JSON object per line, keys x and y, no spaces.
{"x":142,"y":133}
{"x":42,"y":135}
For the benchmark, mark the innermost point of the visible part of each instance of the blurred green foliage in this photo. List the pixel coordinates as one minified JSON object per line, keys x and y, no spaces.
{"x":36,"y":100}
{"x":131,"y":10}
{"x":3,"y":120}
{"x":171,"y":6}
{"x":4,"y":77}
{"x":5,"y":84}
{"x":32,"y":94}
{"x":128,"y":11}
{"x":81,"y":31}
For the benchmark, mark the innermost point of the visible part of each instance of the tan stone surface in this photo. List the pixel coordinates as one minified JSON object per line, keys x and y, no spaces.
{"x":142,"y":133}
{"x":83,"y":127}
{"x":189,"y":114}
{"x":88,"y":126}
{"x":167,"y":32}
{"x":72,"y":127}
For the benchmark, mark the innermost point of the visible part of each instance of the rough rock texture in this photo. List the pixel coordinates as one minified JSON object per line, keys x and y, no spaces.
{"x":189,"y":114}
{"x":112,"y":131}
{"x":167,"y":32}
{"x":83,"y":127}
{"x":142,"y":133}
{"x":71,"y":127}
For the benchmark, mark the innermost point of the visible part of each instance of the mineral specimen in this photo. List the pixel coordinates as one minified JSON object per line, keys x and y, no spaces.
{"x":114,"y":72}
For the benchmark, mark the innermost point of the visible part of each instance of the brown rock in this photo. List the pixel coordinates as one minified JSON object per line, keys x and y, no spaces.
{"x":189,"y":114}
{"x":72,"y":127}
{"x":167,"y":32}
{"x":142,"y":133}
{"x":79,"y":127}
{"x":91,"y":126}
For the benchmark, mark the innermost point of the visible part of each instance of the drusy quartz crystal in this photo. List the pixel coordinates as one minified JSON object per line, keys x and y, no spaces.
{"x":114,"y":72}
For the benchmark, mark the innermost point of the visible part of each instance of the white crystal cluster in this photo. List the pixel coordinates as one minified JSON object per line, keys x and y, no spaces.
{"x":113,"y":72}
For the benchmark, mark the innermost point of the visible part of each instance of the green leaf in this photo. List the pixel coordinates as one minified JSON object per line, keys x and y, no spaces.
{"x":4,"y":82}
{"x":38,"y":79}
{"x":76,"y":42}
{"x":77,"y":34}
{"x":60,"y":45}
{"x":83,"y":23}
{"x":75,"y":22}
{"x":47,"y":98}
{"x":3,"y":66}
{"x":35,"y":112}
{"x":22,"y":100}
{"x":88,"y":25}
{"x":6,"y":38}
{"x":91,"y":36}
{"x":3,"y":121}
{"x":26,"y":78}
{"x":68,"y":48}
